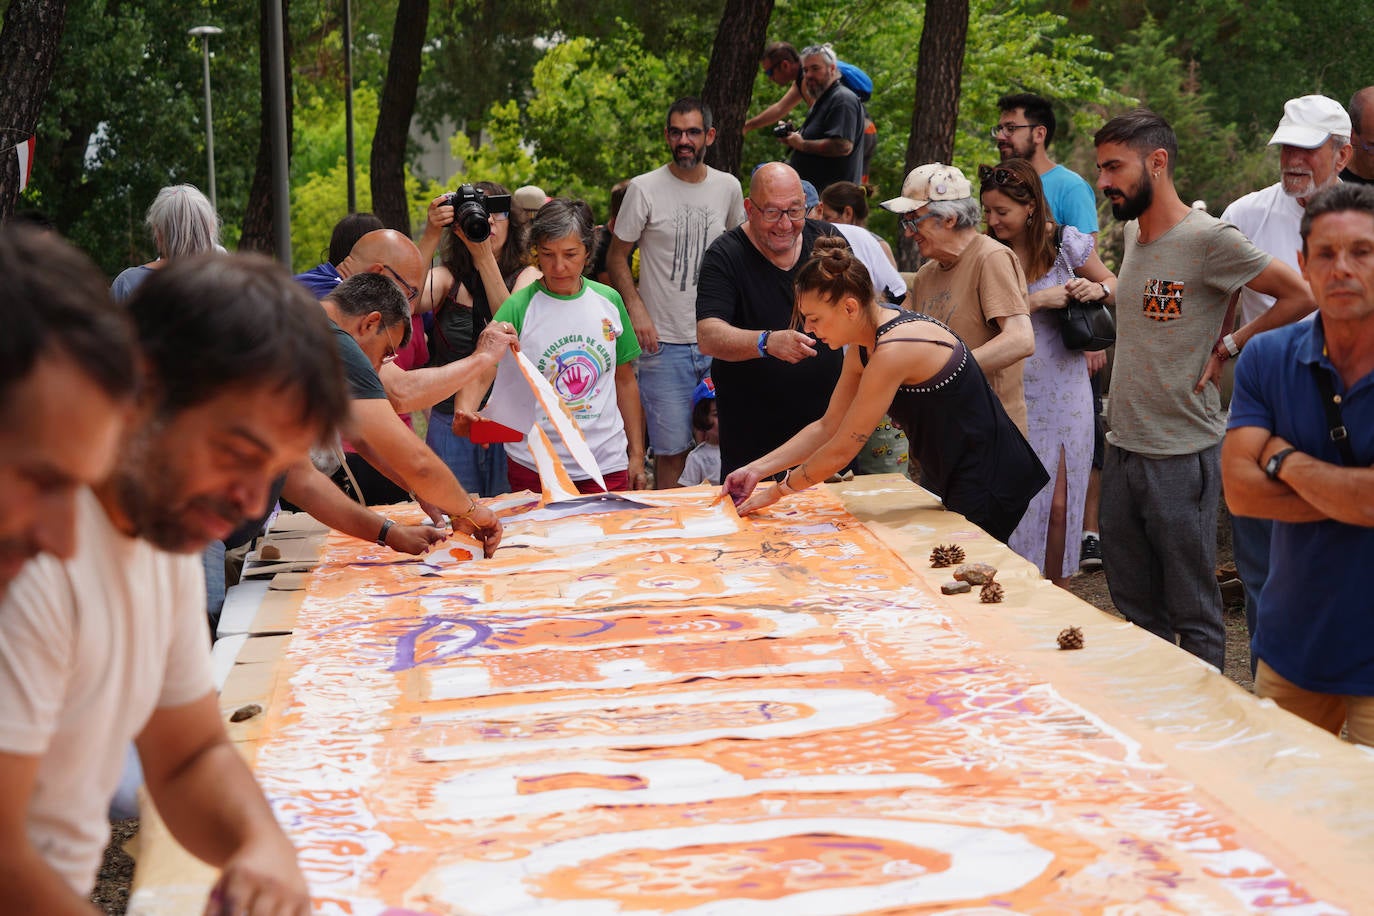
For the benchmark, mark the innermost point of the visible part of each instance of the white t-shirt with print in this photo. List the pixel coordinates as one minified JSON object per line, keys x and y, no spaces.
{"x":674,"y":222}
{"x":576,"y":342}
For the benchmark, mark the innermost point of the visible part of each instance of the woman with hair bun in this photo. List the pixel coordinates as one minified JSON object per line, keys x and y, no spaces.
{"x":915,"y":369}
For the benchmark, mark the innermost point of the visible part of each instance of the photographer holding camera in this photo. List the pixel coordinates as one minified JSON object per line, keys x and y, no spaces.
{"x":829,"y":147}
{"x":482,"y":241}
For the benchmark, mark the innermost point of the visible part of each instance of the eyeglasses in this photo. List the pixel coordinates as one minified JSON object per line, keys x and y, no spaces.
{"x":998,"y":174}
{"x":498,"y":217}
{"x":768,"y":71}
{"x":696,"y":133}
{"x":1006,"y":130}
{"x":390,"y":353}
{"x":410,"y":291}
{"x":774,"y":214}
{"x":912,"y":222}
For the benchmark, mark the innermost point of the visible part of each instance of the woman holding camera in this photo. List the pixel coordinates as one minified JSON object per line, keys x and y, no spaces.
{"x":1060,"y":264}
{"x":464,"y":292}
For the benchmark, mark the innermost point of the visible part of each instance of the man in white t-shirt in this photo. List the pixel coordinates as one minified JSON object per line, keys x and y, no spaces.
{"x":110,"y":645}
{"x":1313,"y":137}
{"x":673,"y":213}
{"x":66,"y":379}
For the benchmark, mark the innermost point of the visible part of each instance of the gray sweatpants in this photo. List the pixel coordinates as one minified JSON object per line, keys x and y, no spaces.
{"x":1159,"y":546}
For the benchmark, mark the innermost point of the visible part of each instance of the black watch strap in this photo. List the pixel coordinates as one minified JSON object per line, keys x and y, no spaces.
{"x":1271,"y":467}
{"x":387,"y":525}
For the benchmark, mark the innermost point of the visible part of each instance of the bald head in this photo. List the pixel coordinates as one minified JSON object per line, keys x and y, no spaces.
{"x":386,"y":251}
{"x":774,"y":180}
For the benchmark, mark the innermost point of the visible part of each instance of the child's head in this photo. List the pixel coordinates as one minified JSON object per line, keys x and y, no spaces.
{"x":704,"y":411}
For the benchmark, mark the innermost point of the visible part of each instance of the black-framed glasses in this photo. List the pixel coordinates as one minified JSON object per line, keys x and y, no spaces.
{"x":910,"y":222}
{"x":998,"y":174}
{"x":774,"y":214}
{"x":1006,"y":130}
{"x":677,"y":133}
{"x":410,"y":291}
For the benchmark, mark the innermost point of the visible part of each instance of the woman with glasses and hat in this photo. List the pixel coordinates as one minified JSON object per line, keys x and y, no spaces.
{"x":1060,"y":263}
{"x":968,"y":281}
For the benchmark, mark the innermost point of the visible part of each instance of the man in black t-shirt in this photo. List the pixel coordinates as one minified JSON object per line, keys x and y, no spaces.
{"x":829,"y":146}
{"x":771,"y":379}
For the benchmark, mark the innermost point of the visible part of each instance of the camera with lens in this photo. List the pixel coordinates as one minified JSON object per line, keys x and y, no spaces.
{"x":783,"y":129}
{"x":472,"y":209}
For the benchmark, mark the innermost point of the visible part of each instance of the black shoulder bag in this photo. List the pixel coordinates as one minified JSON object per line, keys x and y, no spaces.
{"x":1084,"y":325}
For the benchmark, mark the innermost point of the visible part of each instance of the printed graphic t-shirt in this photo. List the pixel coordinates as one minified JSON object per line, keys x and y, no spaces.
{"x":576,"y":342}
{"x":674,"y":222}
{"x":1171,"y":296}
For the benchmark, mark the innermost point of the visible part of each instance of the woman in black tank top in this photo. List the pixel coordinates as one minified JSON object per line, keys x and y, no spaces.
{"x":917,"y":370}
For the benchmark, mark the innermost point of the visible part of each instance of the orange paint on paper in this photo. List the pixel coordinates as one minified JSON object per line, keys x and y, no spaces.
{"x":624,"y":715}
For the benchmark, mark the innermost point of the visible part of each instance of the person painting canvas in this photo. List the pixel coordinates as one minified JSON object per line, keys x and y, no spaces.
{"x":918,"y":371}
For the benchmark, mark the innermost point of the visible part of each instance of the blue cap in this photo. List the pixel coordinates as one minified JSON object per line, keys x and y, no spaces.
{"x":812,"y":197}
{"x":706,"y":389}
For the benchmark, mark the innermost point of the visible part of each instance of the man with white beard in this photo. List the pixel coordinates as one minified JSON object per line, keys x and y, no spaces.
{"x":1313,"y":137}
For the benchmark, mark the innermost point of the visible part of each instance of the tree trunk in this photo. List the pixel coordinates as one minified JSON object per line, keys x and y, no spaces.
{"x":29,"y":44}
{"x":394,"y":112}
{"x":936,"y":110}
{"x":730,"y":77}
{"x":258,"y":233}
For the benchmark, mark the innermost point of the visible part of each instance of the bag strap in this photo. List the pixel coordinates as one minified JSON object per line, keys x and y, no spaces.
{"x":1331,"y":402}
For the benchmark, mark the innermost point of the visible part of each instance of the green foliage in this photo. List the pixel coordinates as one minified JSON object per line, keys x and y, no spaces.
{"x":1012,"y":46}
{"x":594,"y":117}
{"x":1214,"y":162}
{"x":321,"y":132}
{"x":503,"y":158}
{"x":319,"y":174}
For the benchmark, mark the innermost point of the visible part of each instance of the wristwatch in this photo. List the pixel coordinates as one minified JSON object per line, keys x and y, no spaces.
{"x":1106,"y":291}
{"x":1226,"y":348}
{"x":387,"y":525}
{"x":1271,"y":467}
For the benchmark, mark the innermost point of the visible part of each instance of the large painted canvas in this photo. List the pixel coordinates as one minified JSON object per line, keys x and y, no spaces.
{"x":661,"y":708}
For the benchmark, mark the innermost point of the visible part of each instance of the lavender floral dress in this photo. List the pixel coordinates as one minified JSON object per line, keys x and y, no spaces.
{"x":1059,"y":416}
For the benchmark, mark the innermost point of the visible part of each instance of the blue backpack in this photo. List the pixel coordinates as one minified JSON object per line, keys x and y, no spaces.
{"x":856,"y":81}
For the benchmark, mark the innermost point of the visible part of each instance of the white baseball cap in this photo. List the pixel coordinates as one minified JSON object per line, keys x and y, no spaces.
{"x":1309,"y":121}
{"x":932,"y":181}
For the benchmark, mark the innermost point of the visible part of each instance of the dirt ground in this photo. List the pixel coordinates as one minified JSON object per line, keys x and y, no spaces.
{"x":116,"y":872}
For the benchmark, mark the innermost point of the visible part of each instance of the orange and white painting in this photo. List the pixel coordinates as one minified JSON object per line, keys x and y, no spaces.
{"x":666,"y":709}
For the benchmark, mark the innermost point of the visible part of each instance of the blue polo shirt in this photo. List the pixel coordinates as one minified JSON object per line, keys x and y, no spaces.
{"x":1316,"y":623}
{"x":320,"y":279}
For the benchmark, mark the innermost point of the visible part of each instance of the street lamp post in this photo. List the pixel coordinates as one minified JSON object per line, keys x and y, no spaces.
{"x":203,"y":32}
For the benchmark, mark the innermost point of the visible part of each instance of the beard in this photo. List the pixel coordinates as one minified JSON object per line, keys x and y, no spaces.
{"x":148,"y":487}
{"x":1302,"y":187}
{"x":1132,"y":206}
{"x":688,"y":157}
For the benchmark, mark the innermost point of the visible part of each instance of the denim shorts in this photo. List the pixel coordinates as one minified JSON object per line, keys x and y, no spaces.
{"x":666,"y":382}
